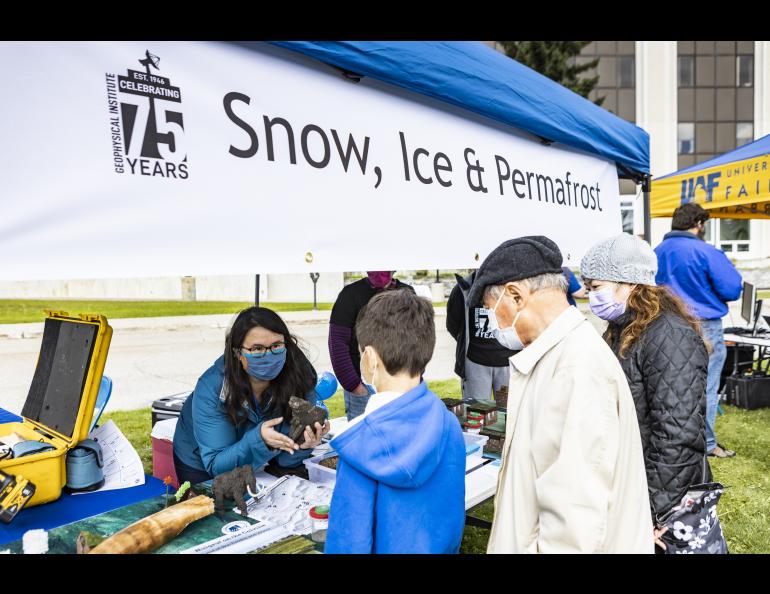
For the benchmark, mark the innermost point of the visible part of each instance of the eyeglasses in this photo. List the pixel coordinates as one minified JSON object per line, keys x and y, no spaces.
{"x":260,"y":351}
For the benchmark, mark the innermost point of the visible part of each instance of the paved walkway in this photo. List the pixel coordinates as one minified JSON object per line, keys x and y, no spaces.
{"x":154,"y":357}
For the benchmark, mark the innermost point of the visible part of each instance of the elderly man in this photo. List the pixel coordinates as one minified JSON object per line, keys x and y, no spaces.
{"x":572,"y":476}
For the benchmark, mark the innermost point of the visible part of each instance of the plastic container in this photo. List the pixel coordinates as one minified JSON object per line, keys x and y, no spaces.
{"x":486,"y":408}
{"x":162,"y":437}
{"x":475,"y":416}
{"x":320,"y":474}
{"x":473,"y":427}
{"x":319,"y":516}
{"x":474,"y":449}
{"x":168,"y":407}
{"x":35,"y":542}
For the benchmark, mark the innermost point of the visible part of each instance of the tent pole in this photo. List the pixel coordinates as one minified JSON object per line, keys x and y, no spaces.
{"x":256,"y":293}
{"x":647,"y":218}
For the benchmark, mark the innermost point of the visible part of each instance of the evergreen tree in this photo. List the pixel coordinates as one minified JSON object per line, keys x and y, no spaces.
{"x":556,"y":60}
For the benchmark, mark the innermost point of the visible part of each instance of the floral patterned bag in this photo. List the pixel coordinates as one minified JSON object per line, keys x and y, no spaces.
{"x":693,"y":525}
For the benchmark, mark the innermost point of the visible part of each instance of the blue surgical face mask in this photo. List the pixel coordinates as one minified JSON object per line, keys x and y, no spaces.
{"x":267,"y":366}
{"x":603,"y":304}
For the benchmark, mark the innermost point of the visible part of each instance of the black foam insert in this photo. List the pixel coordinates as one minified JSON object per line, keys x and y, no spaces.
{"x":60,"y":376}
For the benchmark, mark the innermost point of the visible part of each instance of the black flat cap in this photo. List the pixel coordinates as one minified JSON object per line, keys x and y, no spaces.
{"x":516,"y":259}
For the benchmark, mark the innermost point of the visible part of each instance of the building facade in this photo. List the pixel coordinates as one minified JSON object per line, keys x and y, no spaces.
{"x":697,"y":100}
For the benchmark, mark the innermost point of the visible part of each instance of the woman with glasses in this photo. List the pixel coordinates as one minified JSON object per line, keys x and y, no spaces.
{"x":239,"y":412}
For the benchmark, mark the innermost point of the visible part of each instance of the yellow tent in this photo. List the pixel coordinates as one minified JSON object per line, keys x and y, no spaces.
{"x":735,"y":185}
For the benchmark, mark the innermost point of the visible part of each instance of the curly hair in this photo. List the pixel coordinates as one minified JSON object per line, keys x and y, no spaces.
{"x":647,"y":304}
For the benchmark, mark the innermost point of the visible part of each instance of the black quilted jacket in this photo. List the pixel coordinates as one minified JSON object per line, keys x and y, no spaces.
{"x":666,"y":370}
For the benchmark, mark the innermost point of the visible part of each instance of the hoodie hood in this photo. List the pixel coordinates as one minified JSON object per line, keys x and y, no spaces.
{"x":401,"y":443}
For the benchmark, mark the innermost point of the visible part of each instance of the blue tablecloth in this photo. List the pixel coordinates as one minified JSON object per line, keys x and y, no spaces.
{"x":71,"y":508}
{"x":8,"y":417}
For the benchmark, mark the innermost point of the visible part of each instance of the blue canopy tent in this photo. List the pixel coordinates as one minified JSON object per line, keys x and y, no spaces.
{"x":473,"y":76}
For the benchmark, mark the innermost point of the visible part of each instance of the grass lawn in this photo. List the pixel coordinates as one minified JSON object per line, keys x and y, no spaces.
{"x":744,"y":509}
{"x":17,"y":311}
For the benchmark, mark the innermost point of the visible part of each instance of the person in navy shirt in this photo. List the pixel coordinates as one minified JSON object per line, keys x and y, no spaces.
{"x":706,"y":280}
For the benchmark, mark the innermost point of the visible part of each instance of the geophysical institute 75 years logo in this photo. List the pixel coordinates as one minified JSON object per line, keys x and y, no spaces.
{"x":146,"y":124}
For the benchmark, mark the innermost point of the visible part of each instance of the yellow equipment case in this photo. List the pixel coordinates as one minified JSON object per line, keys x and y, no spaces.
{"x":61,"y":400}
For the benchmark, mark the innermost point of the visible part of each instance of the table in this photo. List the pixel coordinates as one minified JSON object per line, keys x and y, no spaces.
{"x":745,"y":339}
{"x":480,"y":482}
{"x":71,"y":508}
{"x":62,"y":539}
{"x":109,"y":511}
{"x":763,"y":342}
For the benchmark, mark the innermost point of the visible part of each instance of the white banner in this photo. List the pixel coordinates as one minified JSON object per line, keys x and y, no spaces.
{"x":168,"y":158}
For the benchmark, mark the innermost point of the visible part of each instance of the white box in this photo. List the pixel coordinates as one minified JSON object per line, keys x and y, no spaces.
{"x":320,"y":474}
{"x":474,"y":449}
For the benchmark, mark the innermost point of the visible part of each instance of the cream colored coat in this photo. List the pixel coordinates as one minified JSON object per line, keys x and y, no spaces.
{"x":572,"y":476}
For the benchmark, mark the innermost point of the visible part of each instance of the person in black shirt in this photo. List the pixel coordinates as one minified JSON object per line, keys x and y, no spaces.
{"x":343,"y":347}
{"x":480,"y":361}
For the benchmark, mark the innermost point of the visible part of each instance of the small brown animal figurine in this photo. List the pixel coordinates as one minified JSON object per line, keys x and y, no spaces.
{"x":232,"y":485}
{"x":303,"y":414}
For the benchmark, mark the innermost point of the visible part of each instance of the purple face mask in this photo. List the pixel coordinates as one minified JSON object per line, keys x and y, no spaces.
{"x":380,"y":279}
{"x":603,"y":304}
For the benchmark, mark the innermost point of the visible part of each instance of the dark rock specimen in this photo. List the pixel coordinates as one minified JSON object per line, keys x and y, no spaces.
{"x":303,"y":414}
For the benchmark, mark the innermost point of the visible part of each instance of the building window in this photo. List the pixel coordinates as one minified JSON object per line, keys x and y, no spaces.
{"x":625,"y":71}
{"x":744,"y":133}
{"x":686,"y":71}
{"x":716,"y":82}
{"x":627,"y":216}
{"x":734,"y":235}
{"x":745,"y":71}
{"x":686,"y":138}
{"x":617,"y":76}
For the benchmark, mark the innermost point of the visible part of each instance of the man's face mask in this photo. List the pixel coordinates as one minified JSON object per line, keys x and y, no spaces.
{"x":507,"y":337}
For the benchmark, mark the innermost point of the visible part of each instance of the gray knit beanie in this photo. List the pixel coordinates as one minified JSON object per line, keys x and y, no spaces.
{"x":622,"y":259}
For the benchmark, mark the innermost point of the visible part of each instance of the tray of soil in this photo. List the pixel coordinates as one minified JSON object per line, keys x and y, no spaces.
{"x":454,"y":406}
{"x":329,"y":462}
{"x":496,"y":440}
{"x":501,"y":397}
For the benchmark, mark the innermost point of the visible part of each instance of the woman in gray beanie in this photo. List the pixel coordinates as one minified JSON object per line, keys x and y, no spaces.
{"x":665,"y":359}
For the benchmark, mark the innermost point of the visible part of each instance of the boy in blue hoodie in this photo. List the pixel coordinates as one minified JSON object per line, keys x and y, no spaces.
{"x":401,"y":469}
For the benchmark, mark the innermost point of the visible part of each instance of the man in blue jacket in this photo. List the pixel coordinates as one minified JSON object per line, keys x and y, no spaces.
{"x":401,"y":469}
{"x":705,"y":278}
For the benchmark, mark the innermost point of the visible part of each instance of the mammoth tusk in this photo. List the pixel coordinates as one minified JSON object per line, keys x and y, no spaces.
{"x":156,"y":530}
